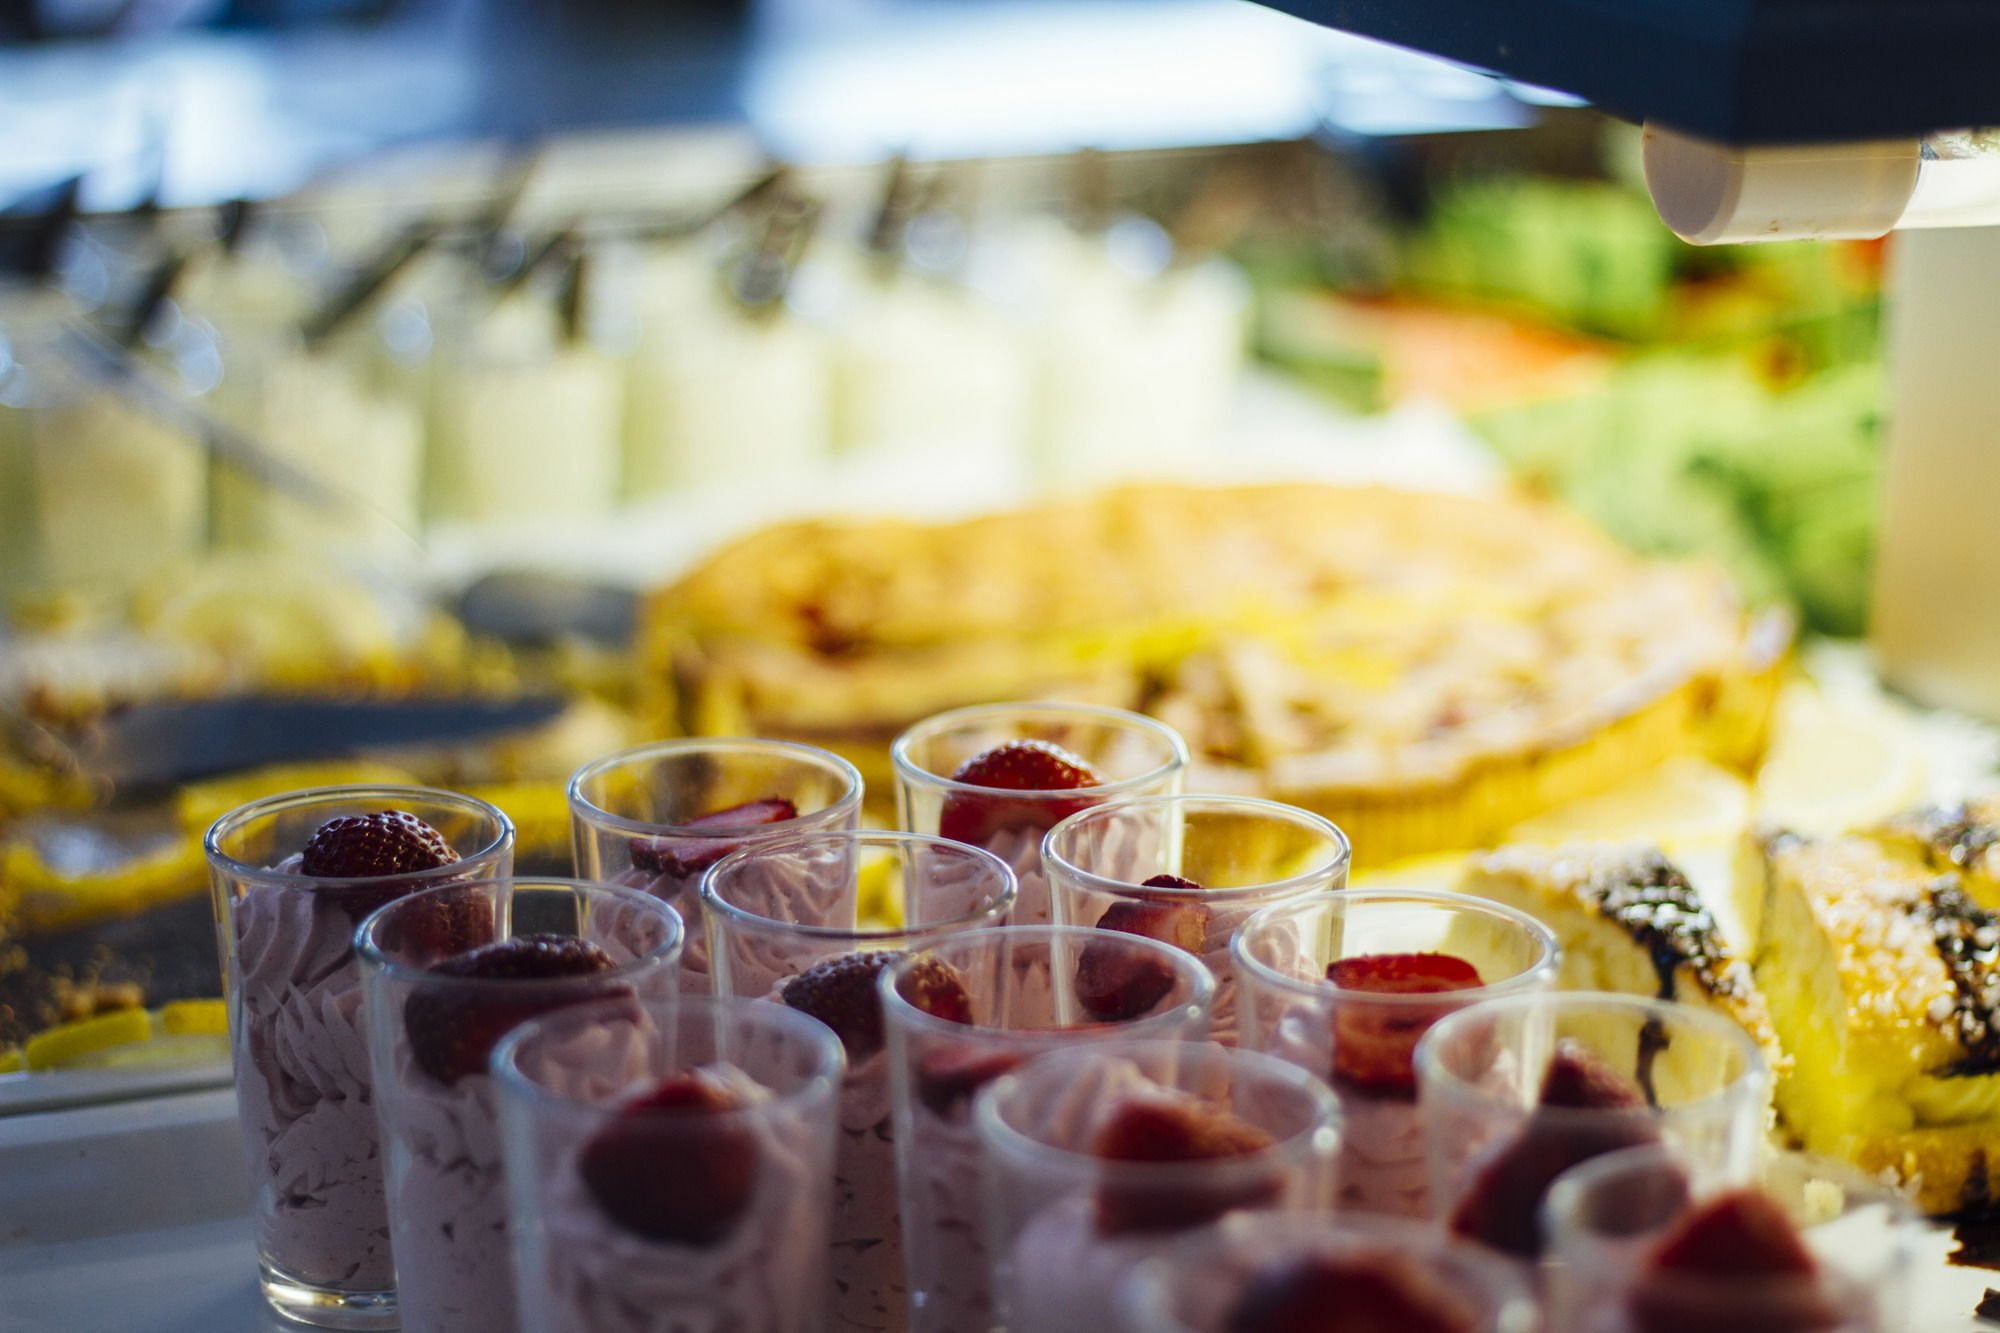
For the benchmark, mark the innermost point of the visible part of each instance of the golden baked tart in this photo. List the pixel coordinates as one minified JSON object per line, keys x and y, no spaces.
{"x":1883,"y":977}
{"x":1426,"y":670}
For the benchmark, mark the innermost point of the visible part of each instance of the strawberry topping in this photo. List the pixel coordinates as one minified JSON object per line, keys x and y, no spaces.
{"x":934,"y":986}
{"x":684,"y":858}
{"x":673,"y":1165}
{"x":1744,"y":1239}
{"x":373,"y":846}
{"x":840,"y":993}
{"x":1384,"y":1293}
{"x":1177,"y":1131}
{"x":948,"y":1076}
{"x":1025,"y":765}
{"x":1503,"y":1207}
{"x":1373,"y":1045}
{"x":453,"y":1029}
{"x":440,"y":925}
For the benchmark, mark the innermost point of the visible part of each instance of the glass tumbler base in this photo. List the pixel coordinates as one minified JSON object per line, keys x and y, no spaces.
{"x":323,"y":1307}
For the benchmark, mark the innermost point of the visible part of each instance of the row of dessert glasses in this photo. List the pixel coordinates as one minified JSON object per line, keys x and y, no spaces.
{"x":1021,"y":1077}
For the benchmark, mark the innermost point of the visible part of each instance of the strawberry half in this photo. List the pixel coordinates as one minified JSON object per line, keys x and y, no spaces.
{"x":684,"y":858}
{"x":1177,"y":1131}
{"x":1745,"y":1240}
{"x":1373,"y":1045}
{"x":935,"y":986}
{"x":1578,"y":1078}
{"x":1026,"y":765}
{"x":453,"y":1029}
{"x":1323,"y":1294}
{"x":673,"y":1166}
{"x":439,"y":926}
{"x":948,"y":1076}
{"x":840,"y":993}
{"x":373,"y":846}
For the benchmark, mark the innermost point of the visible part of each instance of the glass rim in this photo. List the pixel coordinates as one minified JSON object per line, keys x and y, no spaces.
{"x":583,"y":808}
{"x":1202,"y":1000}
{"x":1147,"y":1291}
{"x":354,"y":793}
{"x":1528,"y":979}
{"x":372,"y":958}
{"x":1002,"y":905}
{"x":1323,"y":1133}
{"x":1343,"y":855}
{"x":829,"y":1067}
{"x":908,"y":769}
{"x":1858,"y":1187}
{"x":1434,"y":1080}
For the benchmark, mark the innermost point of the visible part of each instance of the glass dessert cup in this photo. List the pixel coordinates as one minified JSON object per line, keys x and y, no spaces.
{"x":658,"y":816}
{"x":1609,"y":1217}
{"x":430,"y":1035}
{"x":1106,"y":987}
{"x":1133,"y":754}
{"x":1514,"y":1091}
{"x":1198,"y":1284}
{"x":1233,"y":855}
{"x":719,"y":1218}
{"x":779,"y":911}
{"x":1363,"y":1041}
{"x":297,"y":1036}
{"x":1065,"y":1225}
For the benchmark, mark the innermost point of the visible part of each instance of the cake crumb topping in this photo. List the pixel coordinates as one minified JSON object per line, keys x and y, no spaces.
{"x":1652,"y":900}
{"x":1968,"y":942}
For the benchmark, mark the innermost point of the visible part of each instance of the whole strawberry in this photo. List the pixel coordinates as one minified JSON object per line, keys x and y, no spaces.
{"x":374,"y":846}
{"x":1024,"y":766}
{"x":674,"y":1165}
{"x":840,"y":993}
{"x":452,"y":1029}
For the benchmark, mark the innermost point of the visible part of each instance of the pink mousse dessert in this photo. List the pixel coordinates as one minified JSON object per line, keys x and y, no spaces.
{"x":1012,"y":827}
{"x":304,"y":1091}
{"x":866,"y":1237}
{"x":670,"y":867}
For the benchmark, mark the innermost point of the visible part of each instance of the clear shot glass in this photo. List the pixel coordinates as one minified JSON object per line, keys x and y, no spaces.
{"x":1254,"y":1269}
{"x":1130,"y":753}
{"x":1345,"y":984}
{"x":1228,"y":856}
{"x":783,"y":924}
{"x":1065,"y":1225}
{"x":1515,"y":1091}
{"x":297,"y":1036}
{"x":657,"y":817}
{"x":433,"y":1021}
{"x":1609,"y":1218}
{"x":1028,"y":989}
{"x":669,"y":1164}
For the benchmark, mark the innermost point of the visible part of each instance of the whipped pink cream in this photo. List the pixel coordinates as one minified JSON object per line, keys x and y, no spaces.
{"x":1382,"y":1165}
{"x":788,"y":889}
{"x":867,"y":1234}
{"x":941,"y":1165}
{"x":1066,"y":1275}
{"x":448,"y":1199}
{"x":766,"y":1276}
{"x":681,"y":892}
{"x":304,"y":1093}
{"x":1021,"y":849}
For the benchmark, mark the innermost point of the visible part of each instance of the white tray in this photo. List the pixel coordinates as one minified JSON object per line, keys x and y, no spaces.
{"x":133,"y":1218}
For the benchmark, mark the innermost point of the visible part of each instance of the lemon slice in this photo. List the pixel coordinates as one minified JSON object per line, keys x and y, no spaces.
{"x":1833,"y":767}
{"x":1681,"y":802}
{"x":70,"y":1041}
{"x":183,"y":1018}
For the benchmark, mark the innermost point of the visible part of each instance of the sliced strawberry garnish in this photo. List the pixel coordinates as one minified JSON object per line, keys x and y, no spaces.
{"x":440,"y":925}
{"x":684,"y":858}
{"x":840,"y":993}
{"x":673,"y":1165}
{"x":1177,"y":1131}
{"x":1183,"y":925}
{"x":948,"y":1076}
{"x":1578,"y":1078}
{"x":1115,"y":983}
{"x":1027,"y":765}
{"x":935,"y":986}
{"x":373,"y":846}
{"x":1760,"y":1269}
{"x":453,"y":1029}
{"x":1374,"y":1045}
{"x":1323,"y":1294}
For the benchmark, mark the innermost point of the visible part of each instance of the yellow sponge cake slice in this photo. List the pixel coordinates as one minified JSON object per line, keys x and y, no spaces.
{"x":1883,"y":976}
{"x":1628,"y":921}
